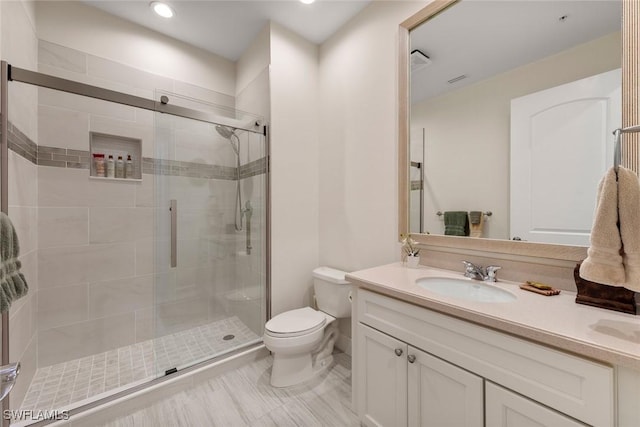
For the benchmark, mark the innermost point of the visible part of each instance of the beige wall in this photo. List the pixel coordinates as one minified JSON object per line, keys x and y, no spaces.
{"x":357,"y":154}
{"x":294,"y":168}
{"x":254,"y":60}
{"x":358,"y":139}
{"x":87,"y":29}
{"x":475,"y":123}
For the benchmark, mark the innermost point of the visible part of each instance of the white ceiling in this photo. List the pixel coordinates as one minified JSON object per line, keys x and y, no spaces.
{"x":482,"y":38}
{"x":493,"y":35}
{"x":227,"y":28}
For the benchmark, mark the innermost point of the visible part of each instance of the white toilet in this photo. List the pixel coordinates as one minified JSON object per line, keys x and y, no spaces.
{"x":302,"y":340}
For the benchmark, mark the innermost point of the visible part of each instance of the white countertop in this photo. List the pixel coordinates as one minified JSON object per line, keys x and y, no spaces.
{"x":604,"y":335}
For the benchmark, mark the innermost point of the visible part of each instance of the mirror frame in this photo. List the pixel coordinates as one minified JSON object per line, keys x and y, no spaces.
{"x":508,"y":248}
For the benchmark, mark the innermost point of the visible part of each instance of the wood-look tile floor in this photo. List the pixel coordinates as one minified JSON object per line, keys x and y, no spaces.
{"x":244,"y":397}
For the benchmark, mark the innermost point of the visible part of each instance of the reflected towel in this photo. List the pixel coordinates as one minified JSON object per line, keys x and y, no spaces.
{"x":475,"y":217}
{"x":456,"y":223}
{"x":629,"y":212}
{"x":476,"y":223}
{"x":604,"y":262}
{"x":12,"y":282}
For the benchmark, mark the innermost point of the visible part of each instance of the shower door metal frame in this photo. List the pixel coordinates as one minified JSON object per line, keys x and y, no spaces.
{"x":4,"y":206}
{"x":10,"y":73}
{"x":51,"y":82}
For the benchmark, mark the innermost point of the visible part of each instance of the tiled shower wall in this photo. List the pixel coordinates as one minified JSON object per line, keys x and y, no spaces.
{"x":105,"y":270}
{"x":100,"y":289}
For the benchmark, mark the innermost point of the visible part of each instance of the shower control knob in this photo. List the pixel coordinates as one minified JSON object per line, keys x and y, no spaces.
{"x":411,"y":358}
{"x":398,"y":352}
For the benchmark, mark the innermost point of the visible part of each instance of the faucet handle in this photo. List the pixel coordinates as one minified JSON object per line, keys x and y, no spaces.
{"x":492,"y":272}
{"x":470,"y":269}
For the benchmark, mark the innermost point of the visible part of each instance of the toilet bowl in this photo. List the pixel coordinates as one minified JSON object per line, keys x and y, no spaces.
{"x":302,"y":340}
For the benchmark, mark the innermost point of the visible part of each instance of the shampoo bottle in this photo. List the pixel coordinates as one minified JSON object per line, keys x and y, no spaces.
{"x":111,"y":167}
{"x":128,"y":169}
{"x":120,"y":168}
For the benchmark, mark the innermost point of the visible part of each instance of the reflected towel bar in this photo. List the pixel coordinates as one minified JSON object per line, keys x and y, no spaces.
{"x":487,"y":213}
{"x":617,"y":153}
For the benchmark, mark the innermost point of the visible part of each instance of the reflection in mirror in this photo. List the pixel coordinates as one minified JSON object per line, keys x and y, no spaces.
{"x":512,"y":113}
{"x":416,"y":179}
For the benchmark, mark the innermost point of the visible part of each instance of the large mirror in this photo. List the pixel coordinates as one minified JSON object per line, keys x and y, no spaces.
{"x":512,"y":105}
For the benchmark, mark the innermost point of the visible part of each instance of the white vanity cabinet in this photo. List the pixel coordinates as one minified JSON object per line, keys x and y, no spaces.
{"x":507,"y":409}
{"x":467,"y":374}
{"x":382,"y":372}
{"x":406,"y":386}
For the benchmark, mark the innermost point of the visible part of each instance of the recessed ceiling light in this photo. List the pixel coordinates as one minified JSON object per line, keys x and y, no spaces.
{"x":162,"y":9}
{"x":307,"y":1}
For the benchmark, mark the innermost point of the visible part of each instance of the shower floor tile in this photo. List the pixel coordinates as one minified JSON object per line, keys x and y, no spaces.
{"x":61,"y":385}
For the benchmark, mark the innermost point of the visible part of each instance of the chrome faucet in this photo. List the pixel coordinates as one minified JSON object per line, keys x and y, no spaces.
{"x":487,"y":274}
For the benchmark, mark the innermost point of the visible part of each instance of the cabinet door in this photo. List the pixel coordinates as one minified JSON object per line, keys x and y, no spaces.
{"x":441,"y":394}
{"x":505,"y":408}
{"x":382,"y":379}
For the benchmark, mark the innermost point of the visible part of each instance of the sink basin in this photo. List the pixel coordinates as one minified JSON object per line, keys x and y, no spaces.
{"x":470,"y":290}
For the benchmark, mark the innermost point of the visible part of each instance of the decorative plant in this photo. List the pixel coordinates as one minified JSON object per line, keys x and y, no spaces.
{"x":409,"y":245}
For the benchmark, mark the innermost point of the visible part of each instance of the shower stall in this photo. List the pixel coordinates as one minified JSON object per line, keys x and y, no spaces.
{"x":136,"y":273}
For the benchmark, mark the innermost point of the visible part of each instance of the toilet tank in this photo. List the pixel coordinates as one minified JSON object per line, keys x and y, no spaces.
{"x":332,"y":291}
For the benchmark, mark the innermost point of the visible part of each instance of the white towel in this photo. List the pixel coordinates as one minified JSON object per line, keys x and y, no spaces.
{"x":629,"y":212}
{"x":604,"y":262}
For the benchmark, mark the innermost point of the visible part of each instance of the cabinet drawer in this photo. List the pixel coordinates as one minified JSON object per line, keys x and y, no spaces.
{"x":581,"y":388}
{"x":507,"y":409}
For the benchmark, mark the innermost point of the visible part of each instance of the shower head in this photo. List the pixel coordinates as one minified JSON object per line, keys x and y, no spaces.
{"x":228,"y":133}
{"x":225,"y":132}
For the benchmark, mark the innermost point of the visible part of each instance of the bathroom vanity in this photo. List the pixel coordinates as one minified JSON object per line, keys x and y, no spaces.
{"x":427,"y":358}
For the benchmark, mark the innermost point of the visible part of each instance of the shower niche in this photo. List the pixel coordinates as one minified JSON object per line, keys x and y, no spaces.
{"x":102,"y":145}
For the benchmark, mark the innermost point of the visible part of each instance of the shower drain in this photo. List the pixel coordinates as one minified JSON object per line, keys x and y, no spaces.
{"x":228,"y":337}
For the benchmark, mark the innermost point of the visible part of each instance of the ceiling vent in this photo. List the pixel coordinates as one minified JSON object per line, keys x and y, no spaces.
{"x":419,"y":61}
{"x":457,"y":79}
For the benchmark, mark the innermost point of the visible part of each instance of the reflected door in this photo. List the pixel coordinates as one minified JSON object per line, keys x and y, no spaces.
{"x":573,"y":121}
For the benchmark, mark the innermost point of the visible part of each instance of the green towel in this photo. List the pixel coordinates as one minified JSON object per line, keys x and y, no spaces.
{"x":12,"y":282}
{"x":456,"y":223}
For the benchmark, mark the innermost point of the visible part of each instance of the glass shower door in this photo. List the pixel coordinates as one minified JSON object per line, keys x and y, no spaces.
{"x":210,"y":239}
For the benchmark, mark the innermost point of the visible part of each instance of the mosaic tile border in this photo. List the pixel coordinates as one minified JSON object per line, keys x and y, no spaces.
{"x":80,"y":159}
{"x":21,"y":144}
{"x":63,"y":157}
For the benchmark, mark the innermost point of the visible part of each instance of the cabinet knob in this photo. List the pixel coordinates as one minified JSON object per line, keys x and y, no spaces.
{"x":411,"y":358}
{"x":398,"y":352}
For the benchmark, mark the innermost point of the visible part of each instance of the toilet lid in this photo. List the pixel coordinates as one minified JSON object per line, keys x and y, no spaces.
{"x":296,"y":322}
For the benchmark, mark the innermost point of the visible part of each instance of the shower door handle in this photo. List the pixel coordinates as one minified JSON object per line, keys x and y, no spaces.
{"x":173,"y":207}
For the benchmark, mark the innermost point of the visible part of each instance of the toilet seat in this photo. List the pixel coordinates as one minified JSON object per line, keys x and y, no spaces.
{"x":294,"y":323}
